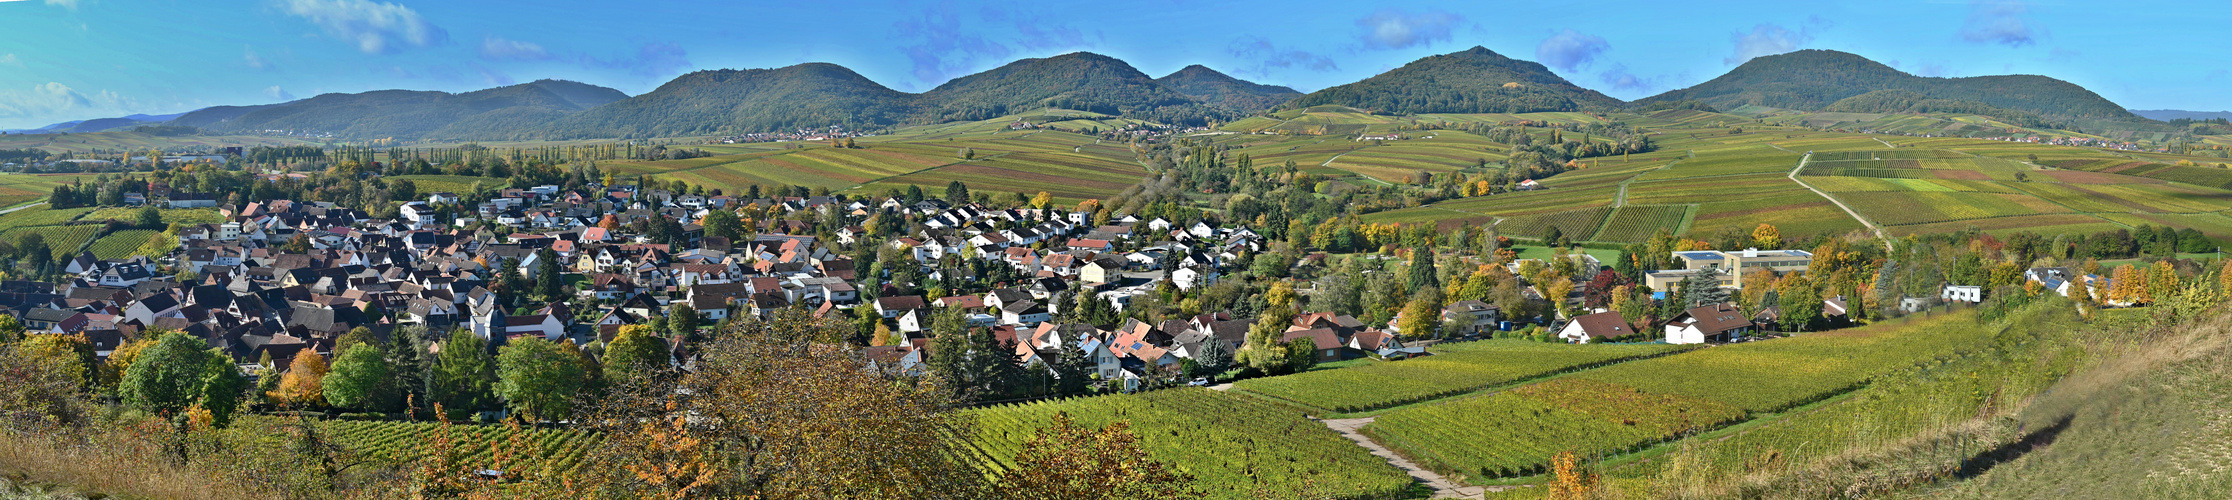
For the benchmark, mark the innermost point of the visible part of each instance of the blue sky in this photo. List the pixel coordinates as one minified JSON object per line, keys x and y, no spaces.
{"x":76,"y":59}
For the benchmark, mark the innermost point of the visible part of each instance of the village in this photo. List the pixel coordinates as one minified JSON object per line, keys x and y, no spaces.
{"x":281,"y":279}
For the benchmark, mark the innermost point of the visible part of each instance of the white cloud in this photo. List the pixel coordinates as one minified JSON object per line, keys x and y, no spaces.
{"x":67,"y":4}
{"x":1393,"y":29}
{"x":2005,"y":22}
{"x":376,"y":28}
{"x":498,"y":48}
{"x":52,"y":102}
{"x":1268,"y":57}
{"x":254,"y":60}
{"x":1570,"y":50}
{"x":10,"y":59}
{"x":279,"y":93}
{"x":1767,"y":40}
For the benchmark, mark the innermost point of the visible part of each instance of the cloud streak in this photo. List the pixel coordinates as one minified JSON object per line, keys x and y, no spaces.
{"x":2004,"y":22}
{"x":1268,"y":56}
{"x":281,"y":94}
{"x":1570,"y":50}
{"x":1769,"y":39}
{"x":1391,"y":29}
{"x":375,"y":28}
{"x":53,"y":101}
{"x":496,"y":48}
{"x":651,"y":60}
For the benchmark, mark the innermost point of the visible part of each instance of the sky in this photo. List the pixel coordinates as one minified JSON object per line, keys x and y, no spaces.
{"x":66,"y":60}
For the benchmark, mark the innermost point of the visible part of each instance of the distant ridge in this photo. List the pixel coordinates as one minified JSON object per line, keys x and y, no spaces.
{"x":497,"y":113}
{"x":1220,"y":89}
{"x":1811,"y":80}
{"x":2173,"y":114}
{"x":1477,"y":80}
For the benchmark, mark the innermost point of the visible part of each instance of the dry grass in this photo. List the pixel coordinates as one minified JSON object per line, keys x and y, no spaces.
{"x":88,"y":469}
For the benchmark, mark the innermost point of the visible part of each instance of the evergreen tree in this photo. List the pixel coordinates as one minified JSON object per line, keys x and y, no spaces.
{"x":1214,"y":357}
{"x":1703,"y":288}
{"x":464,"y":379}
{"x":548,"y":275}
{"x":409,"y":351}
{"x":949,"y":354}
{"x":957,"y":193}
{"x":1422,"y":272}
{"x":1072,"y":370}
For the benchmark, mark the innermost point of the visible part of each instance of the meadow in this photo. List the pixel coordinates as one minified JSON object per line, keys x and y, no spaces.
{"x":1234,"y":446}
{"x":1628,"y":406}
{"x":1451,"y":370}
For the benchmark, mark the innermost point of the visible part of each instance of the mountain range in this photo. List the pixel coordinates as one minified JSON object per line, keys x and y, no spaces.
{"x":1812,"y":80}
{"x":2173,"y":114}
{"x":812,"y":95}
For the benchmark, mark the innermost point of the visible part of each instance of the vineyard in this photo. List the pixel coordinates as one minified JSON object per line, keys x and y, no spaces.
{"x":1638,"y":223}
{"x":1234,"y":446}
{"x":1472,"y":367}
{"x":404,"y":442}
{"x":121,"y":244}
{"x":63,"y":240}
{"x":1574,"y":224}
{"x":186,"y":216}
{"x":1629,"y":406}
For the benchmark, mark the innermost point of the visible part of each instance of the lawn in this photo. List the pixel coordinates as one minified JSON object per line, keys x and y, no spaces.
{"x":1456,"y":369}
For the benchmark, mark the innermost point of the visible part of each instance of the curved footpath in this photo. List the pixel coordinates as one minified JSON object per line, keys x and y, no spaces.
{"x":1840,"y":204}
{"x":1443,"y":486}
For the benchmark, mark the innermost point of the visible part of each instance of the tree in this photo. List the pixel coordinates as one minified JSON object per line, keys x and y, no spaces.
{"x":1421,"y":270}
{"x":957,"y":193}
{"x":1703,"y":288}
{"x":304,"y":383}
{"x":636,"y":353}
{"x":1215,"y":357}
{"x":793,"y":413}
{"x":722,"y":223}
{"x":2162,"y":281}
{"x":1767,"y":236}
{"x":300,"y":243}
{"x":411,"y":366}
{"x":1065,"y":461}
{"x":175,"y":373}
{"x":1420,"y":318}
{"x":609,"y":223}
{"x":2128,"y":285}
{"x":150,"y":218}
{"x":11,"y":329}
{"x":682,"y":322}
{"x":464,"y":373}
{"x":1301,"y":355}
{"x":1042,"y":200}
{"x":71,"y":355}
{"x":360,"y":380}
{"x":1265,"y":350}
{"x":548,"y":276}
{"x":539,"y":377}
{"x":1800,"y":301}
{"x":354,"y":337}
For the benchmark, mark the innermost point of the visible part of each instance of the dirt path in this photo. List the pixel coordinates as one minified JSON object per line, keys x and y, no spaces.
{"x":1840,"y":204}
{"x":26,"y":205}
{"x":1886,"y":144}
{"x":1443,"y":487}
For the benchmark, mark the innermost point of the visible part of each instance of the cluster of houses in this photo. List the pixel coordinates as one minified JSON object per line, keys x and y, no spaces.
{"x":257,"y":302}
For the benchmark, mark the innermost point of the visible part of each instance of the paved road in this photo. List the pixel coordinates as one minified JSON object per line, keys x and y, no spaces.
{"x":1443,"y":487}
{"x":13,"y":210}
{"x":1840,"y":204}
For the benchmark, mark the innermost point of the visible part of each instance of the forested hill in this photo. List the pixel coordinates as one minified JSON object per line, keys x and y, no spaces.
{"x":726,"y":102}
{"x":1080,"y":80}
{"x":497,"y":113}
{"x":1472,"y":81}
{"x":1220,"y":89}
{"x":1811,"y":80}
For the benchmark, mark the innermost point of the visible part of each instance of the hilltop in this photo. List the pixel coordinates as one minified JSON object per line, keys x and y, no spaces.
{"x":720,"y":102}
{"x":1472,"y":81}
{"x":1080,"y":80}
{"x":405,"y":114}
{"x":1220,"y":89}
{"x":1812,"y":80}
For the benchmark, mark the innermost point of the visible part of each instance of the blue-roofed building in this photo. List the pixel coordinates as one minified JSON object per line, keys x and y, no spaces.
{"x":1732,"y":265}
